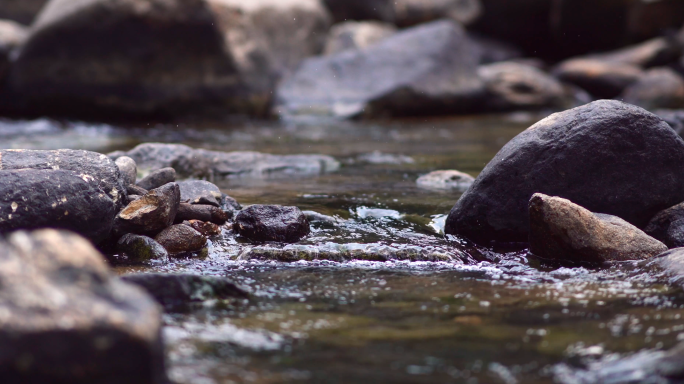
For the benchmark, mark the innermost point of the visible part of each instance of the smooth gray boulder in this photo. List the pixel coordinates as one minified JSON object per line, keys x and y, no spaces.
{"x":46,"y":198}
{"x":600,"y":78}
{"x":606,"y":156}
{"x":94,"y":168}
{"x":657,"y":88}
{"x":189,"y":162}
{"x":515,"y":86}
{"x":568,"y":233}
{"x":66,"y":318}
{"x":425,"y":70}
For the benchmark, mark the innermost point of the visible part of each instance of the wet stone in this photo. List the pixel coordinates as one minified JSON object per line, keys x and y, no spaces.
{"x":566,"y":232}
{"x":79,"y":324}
{"x":206,"y":228}
{"x":272,"y":223}
{"x":128,"y":169}
{"x":668,"y":226}
{"x":33,"y":198}
{"x":449,"y":180}
{"x":158,"y":178}
{"x":177,"y":291}
{"x":229,"y":204}
{"x":179,"y":239}
{"x":200,"y":192}
{"x":347,"y":252}
{"x":141,"y":248}
{"x":208,"y":213}
{"x":151,"y":213}
{"x":135,"y":190}
{"x":96,"y":169}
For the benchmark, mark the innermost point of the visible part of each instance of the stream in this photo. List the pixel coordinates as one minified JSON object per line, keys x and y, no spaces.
{"x":376,"y":294}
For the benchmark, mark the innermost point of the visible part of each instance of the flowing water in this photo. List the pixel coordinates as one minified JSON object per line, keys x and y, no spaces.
{"x":376,"y":294}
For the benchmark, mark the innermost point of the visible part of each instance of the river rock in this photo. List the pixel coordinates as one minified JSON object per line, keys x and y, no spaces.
{"x":39,"y":198}
{"x":141,"y":248}
{"x":178,"y":239}
{"x":215,"y":165}
{"x":651,"y":53}
{"x":133,"y":189}
{"x":158,"y":178}
{"x":566,"y":232}
{"x":12,"y":35}
{"x":268,"y":39}
{"x":96,"y":169}
{"x":675,"y":118}
{"x":151,"y":213}
{"x":208,"y":213}
{"x":600,"y":78}
{"x":424,"y":70}
{"x":126,"y":58}
{"x":272,"y":223}
{"x":515,"y":86}
{"x":200,"y":192}
{"x":67,"y":319}
{"x":357,"y":35}
{"x":229,"y":204}
{"x":128,"y":169}
{"x":581,"y":155}
{"x":21,"y":11}
{"x":450,"y":179}
{"x":206,"y":228}
{"x":668,"y":226}
{"x":657,"y":88}
{"x":176,"y":291}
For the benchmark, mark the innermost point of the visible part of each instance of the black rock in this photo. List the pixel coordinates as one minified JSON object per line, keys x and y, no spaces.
{"x":35,"y":198}
{"x":158,"y":178}
{"x":675,"y":118}
{"x":607,"y":156}
{"x":175,"y":291}
{"x":179,"y":239}
{"x":128,"y":169}
{"x":141,"y":248}
{"x":425,"y":70}
{"x":151,"y":213}
{"x":62,"y":306}
{"x":668,"y":226}
{"x":200,"y":192}
{"x":201,"y":212}
{"x":94,"y":168}
{"x":272,"y":223}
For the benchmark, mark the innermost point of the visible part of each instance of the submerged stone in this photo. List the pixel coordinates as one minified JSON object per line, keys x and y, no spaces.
{"x":141,"y":248}
{"x":272,"y":223}
{"x":179,"y":239}
{"x":450,"y":179}
{"x":347,"y":252}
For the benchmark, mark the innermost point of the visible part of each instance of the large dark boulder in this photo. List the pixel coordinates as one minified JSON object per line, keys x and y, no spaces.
{"x":130,"y":57}
{"x":94,"y":168}
{"x":668,"y":226}
{"x":272,"y":223}
{"x":424,"y":70}
{"x":21,"y":11}
{"x":65,"y":318}
{"x":607,"y":156}
{"x":565,"y":232}
{"x":37,"y":198}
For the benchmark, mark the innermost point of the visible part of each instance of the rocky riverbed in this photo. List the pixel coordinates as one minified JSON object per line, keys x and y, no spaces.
{"x":356,"y":281}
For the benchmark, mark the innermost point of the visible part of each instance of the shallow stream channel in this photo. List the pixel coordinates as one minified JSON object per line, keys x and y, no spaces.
{"x":376,"y":294}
